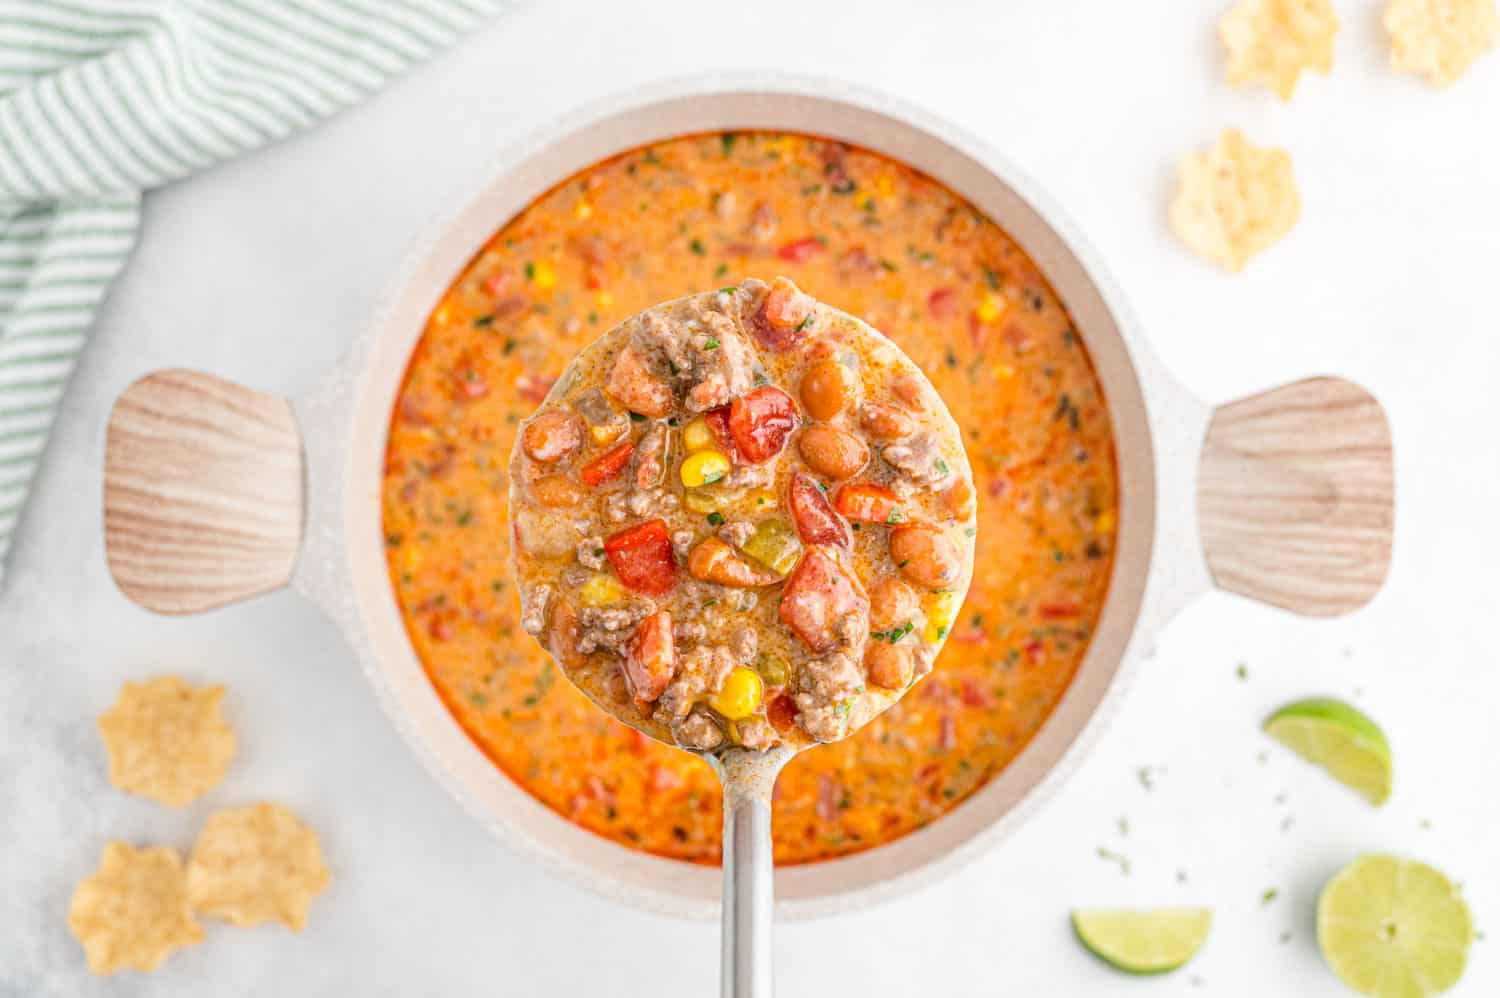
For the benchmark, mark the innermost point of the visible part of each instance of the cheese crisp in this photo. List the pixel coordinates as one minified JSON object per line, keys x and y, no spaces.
{"x":255,"y":864}
{"x":167,"y":740}
{"x":1272,"y":42}
{"x":1440,"y":38}
{"x":133,"y":911}
{"x":1234,"y":200}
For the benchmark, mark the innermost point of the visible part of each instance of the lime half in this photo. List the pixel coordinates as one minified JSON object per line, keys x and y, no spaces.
{"x":1394,"y":928}
{"x":1144,"y":942}
{"x":1339,"y":738}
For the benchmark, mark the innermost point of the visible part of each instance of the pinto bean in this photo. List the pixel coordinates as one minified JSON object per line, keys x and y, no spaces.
{"x":910,"y":390}
{"x":888,"y":665}
{"x":826,"y":389}
{"x":715,"y":561}
{"x":832,"y":452}
{"x":885,"y":422}
{"x":926,"y":555}
{"x":892,"y":603}
{"x":959,"y":498}
{"x":551,"y":436}
{"x":557,"y":491}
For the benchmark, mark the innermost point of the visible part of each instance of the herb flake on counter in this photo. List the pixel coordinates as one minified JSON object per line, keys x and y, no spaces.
{"x":1120,"y":860}
{"x":1269,"y":895}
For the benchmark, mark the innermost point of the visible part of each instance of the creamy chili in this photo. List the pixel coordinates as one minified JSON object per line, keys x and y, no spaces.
{"x":872,"y":237}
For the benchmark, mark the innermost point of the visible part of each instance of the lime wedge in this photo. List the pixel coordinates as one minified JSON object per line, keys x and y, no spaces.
{"x":1337,"y":737}
{"x":1144,"y":942}
{"x":1394,"y":928}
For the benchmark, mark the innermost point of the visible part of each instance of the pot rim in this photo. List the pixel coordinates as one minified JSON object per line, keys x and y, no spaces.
{"x":345,"y":571}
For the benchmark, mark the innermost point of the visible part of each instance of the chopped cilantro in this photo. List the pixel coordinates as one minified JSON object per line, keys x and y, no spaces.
{"x":726,"y":142}
{"x":731,"y":289}
{"x":721,"y":270}
{"x":715,"y":518}
{"x":593,"y":318}
{"x":697,"y":247}
{"x":711,"y":479}
{"x":805,"y":323}
{"x":844,"y":186}
{"x":636,"y":417}
{"x":992,"y":279}
{"x":896,"y":516}
{"x":510,"y":344}
{"x":480,"y":321}
{"x":530,"y":270}
{"x":712,"y":344}
{"x":970,"y":531}
{"x":941,"y":466}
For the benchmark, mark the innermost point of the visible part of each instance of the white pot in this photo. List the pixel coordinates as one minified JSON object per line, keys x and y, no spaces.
{"x":215,"y":492}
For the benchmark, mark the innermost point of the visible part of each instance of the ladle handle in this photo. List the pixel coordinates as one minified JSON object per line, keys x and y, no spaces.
{"x":748,"y":897}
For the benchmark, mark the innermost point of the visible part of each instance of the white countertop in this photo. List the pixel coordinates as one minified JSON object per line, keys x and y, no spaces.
{"x":262,"y":269}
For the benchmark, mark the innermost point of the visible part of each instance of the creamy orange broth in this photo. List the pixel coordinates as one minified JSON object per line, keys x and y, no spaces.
{"x":870,"y":236}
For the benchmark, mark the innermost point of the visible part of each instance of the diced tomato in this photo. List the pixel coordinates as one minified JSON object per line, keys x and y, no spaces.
{"x":760,"y":421}
{"x":947,"y":733}
{"x":642,"y":558}
{"x":975,"y":695}
{"x":816,"y":521}
{"x":828,"y":797}
{"x":800,"y":250}
{"x":781,"y":711}
{"x":607,"y":465}
{"x":498,"y":283}
{"x":870,"y":503}
{"x":650,"y":658}
{"x":785,"y":316}
{"x":817,"y":595}
{"x":1057,"y":611}
{"x":1033,"y":650}
{"x":943,"y":303}
{"x":718,"y":422}
{"x":534,"y":387}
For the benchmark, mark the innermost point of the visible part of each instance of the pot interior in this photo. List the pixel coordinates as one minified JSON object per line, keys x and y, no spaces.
{"x":379,"y":363}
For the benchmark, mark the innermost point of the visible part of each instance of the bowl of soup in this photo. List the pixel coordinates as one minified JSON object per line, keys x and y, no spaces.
{"x":1106,"y":495}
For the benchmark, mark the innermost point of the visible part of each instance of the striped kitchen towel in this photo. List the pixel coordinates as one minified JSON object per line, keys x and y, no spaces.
{"x":103,"y":99}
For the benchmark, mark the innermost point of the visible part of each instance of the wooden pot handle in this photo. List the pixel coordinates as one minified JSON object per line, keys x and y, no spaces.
{"x":1296,"y":496}
{"x":203,"y":492}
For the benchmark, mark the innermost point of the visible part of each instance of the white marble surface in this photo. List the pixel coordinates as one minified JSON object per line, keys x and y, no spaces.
{"x":260,"y":271}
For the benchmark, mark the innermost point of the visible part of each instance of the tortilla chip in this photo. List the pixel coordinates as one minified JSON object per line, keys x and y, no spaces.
{"x":1234,"y":200}
{"x":132,"y":912}
{"x":255,"y":864}
{"x":1273,"y":41}
{"x":167,"y":740}
{"x":1440,"y":38}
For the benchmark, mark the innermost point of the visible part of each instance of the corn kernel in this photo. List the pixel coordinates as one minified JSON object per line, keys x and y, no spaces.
{"x":1004,"y":371}
{"x":543,"y":276}
{"x":885,"y":185}
{"x":582,"y":210}
{"x":697,"y":436}
{"x":740,"y":695}
{"x":606,"y":432}
{"x":703,"y":468}
{"x":991,"y":307}
{"x":411,"y":558}
{"x":601,"y":590}
{"x":699,"y":502}
{"x":1105,"y":522}
{"x":940,"y":616}
{"x":440,"y":315}
{"x":604,"y":299}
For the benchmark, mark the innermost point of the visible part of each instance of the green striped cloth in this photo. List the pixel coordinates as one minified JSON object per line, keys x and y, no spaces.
{"x":103,"y":99}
